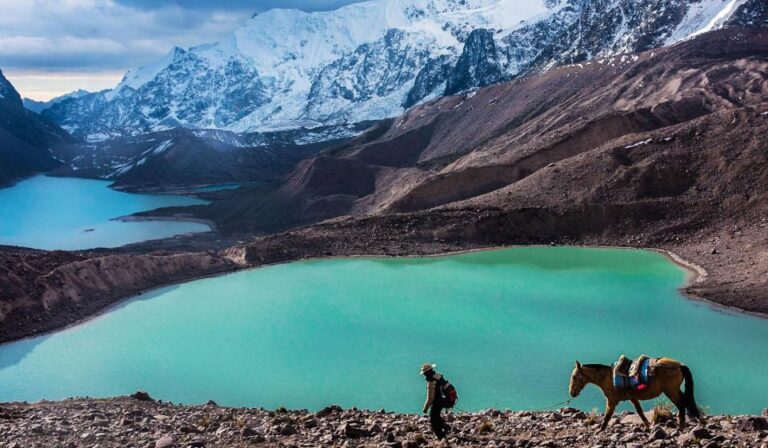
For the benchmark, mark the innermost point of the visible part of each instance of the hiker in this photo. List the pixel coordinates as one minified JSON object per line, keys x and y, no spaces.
{"x":437,"y":389}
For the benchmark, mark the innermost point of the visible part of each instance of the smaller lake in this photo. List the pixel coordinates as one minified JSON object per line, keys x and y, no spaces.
{"x":220,"y":187}
{"x":71,"y":214}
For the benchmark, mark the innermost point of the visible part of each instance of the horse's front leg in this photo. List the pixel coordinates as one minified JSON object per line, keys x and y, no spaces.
{"x":640,"y":412}
{"x":610,"y":407}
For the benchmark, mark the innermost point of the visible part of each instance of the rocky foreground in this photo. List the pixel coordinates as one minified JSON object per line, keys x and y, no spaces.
{"x":138,"y":421}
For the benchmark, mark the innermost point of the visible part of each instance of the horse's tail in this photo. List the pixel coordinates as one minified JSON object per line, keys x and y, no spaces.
{"x":688,"y":398}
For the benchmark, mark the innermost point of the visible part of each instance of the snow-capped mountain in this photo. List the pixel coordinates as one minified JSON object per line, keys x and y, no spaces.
{"x":39,"y":106}
{"x":287,"y":69}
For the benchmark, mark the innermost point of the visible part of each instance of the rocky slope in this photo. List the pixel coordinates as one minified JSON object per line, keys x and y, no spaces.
{"x":368,"y":61}
{"x":463,"y":147}
{"x":28,"y":143}
{"x":123,"y":422}
{"x":41,"y":291}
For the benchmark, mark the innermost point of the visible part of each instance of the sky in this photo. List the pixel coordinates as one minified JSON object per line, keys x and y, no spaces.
{"x":52,"y":47}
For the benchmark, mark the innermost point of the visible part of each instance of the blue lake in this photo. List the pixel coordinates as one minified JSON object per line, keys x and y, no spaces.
{"x":69,"y":214}
{"x":505,"y":326}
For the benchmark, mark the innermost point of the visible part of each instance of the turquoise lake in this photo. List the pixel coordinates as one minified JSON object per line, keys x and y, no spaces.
{"x":505,"y":326}
{"x":69,"y":214}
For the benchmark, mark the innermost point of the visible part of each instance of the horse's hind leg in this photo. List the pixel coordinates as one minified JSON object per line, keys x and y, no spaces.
{"x":676,"y":397}
{"x":640,"y":412}
{"x":610,"y":407}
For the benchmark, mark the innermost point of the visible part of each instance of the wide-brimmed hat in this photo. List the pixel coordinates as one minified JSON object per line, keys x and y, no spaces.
{"x":426,"y":367}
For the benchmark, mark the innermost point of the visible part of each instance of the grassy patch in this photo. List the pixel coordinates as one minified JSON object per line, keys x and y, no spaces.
{"x":663,"y":411}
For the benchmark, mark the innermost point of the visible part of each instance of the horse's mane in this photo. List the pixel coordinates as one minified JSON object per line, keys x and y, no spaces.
{"x":596,"y":366}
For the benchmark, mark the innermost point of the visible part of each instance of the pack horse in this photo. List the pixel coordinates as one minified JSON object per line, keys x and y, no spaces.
{"x":667,"y":376}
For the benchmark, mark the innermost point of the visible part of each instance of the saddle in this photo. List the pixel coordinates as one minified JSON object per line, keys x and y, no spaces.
{"x":633,"y":375}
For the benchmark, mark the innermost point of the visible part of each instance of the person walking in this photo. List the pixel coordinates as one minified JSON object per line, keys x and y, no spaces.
{"x":436,"y":400}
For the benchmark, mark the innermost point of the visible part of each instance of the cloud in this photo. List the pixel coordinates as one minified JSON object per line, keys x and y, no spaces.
{"x":250,"y":5}
{"x":101,"y":34}
{"x":43,"y":86}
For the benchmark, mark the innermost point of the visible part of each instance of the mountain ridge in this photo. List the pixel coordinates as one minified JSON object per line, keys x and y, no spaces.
{"x":372,"y":60}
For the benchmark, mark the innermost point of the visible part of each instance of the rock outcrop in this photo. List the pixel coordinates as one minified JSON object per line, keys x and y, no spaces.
{"x":28,"y":143}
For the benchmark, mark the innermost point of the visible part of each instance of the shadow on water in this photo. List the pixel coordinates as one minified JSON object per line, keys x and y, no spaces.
{"x":13,"y":353}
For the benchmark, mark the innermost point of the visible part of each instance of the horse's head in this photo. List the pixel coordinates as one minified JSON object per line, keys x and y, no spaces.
{"x":577,"y":381}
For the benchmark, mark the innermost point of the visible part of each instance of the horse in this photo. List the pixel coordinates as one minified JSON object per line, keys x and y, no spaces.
{"x":669,"y":376}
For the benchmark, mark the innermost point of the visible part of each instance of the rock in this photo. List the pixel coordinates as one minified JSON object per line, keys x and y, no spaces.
{"x":141,"y":396}
{"x":252,"y":435}
{"x":196,"y":443}
{"x":694,"y":435}
{"x":753,"y":424}
{"x":248,"y":432}
{"x":701,"y":433}
{"x":211,"y":403}
{"x":629,"y":438}
{"x":288,"y":429}
{"x":165,"y":442}
{"x":765,"y":412}
{"x":352,"y":431}
{"x":332,"y":409}
{"x":659,"y":434}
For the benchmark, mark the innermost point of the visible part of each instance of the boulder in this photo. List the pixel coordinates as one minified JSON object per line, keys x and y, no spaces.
{"x":753,"y":424}
{"x":352,"y":431}
{"x":658,"y":434}
{"x":141,"y":396}
{"x":701,"y":433}
{"x":694,"y":435}
{"x":248,"y":432}
{"x":288,"y":429}
{"x":165,"y":442}
{"x":328,"y":410}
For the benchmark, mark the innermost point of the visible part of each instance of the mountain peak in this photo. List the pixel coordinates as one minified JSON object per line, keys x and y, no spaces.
{"x":287,"y":68}
{"x":8,"y":92}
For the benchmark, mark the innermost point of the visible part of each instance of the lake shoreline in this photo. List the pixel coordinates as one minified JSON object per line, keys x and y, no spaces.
{"x":691,"y":277}
{"x":227,"y":262}
{"x":121,"y":421}
{"x":172,"y":218}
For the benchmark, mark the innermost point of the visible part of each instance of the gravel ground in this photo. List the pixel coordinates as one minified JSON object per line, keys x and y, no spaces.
{"x":130,"y":422}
